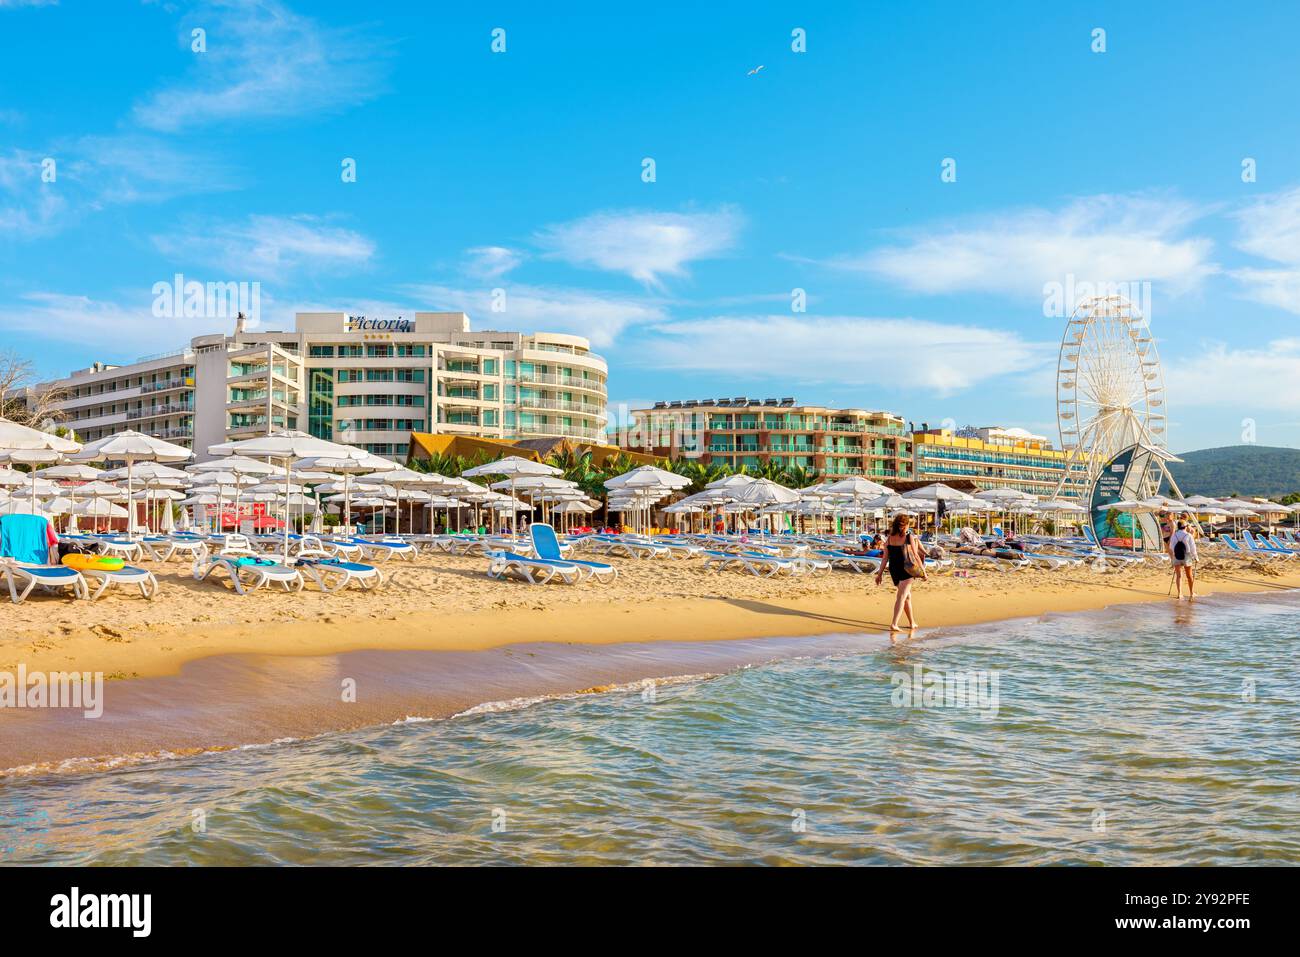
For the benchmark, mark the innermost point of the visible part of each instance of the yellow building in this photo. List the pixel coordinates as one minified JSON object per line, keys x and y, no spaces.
{"x":991,"y":458}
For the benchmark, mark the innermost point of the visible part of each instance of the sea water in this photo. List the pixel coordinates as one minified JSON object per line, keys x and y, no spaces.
{"x":1151,"y":734}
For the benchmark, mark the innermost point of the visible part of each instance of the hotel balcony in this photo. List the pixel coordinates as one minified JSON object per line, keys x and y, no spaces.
{"x":586,"y":385}
{"x":561,"y":405}
{"x":157,"y":411}
{"x":169,"y":385}
{"x":566,"y":431}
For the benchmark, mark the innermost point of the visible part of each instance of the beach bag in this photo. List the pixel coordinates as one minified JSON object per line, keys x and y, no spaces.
{"x":914,"y":568}
{"x":1180,"y":551}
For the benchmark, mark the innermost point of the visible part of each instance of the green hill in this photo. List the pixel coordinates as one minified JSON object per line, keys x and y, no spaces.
{"x":1240,"y":470}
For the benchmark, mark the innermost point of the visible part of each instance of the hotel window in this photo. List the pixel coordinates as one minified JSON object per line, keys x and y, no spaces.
{"x":354,"y":352}
{"x":510,"y":369}
{"x":490,"y":393}
{"x":408,"y":350}
{"x":379,"y":352}
{"x":489,"y":366}
{"x":324,"y":352}
{"x":409,"y":375}
{"x":379,"y":375}
{"x":489,"y":417}
{"x":350,"y":375}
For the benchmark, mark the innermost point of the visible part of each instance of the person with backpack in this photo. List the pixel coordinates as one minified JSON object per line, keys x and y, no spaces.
{"x":905,"y":561}
{"x":1182,"y":556}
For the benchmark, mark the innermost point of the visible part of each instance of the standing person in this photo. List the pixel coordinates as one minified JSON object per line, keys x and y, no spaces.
{"x":1182,"y":555}
{"x":902,"y":549}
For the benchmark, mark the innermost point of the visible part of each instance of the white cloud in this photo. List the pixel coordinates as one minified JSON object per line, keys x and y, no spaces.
{"x":94,"y":172}
{"x":882,"y":353}
{"x":597,"y":316}
{"x":1270,"y":229}
{"x":1098,"y":239}
{"x":645,"y":245}
{"x":125,"y":329}
{"x":264,"y":60}
{"x":1247,"y":381}
{"x":28,"y":207}
{"x":491,"y":262}
{"x":14,"y":4}
{"x":269,"y":247}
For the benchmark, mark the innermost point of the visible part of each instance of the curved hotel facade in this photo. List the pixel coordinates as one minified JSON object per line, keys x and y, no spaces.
{"x":361,"y":381}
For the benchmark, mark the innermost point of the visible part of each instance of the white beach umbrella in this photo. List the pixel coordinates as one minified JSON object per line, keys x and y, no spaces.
{"x":290,"y":447}
{"x":27,"y":446}
{"x":359,"y":462}
{"x":131,"y":447}
{"x":514,"y":467}
{"x":72,"y":473}
{"x":645,"y":476}
{"x":731,"y":482}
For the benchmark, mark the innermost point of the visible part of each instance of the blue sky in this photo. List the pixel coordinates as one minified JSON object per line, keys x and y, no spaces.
{"x":522,"y":171}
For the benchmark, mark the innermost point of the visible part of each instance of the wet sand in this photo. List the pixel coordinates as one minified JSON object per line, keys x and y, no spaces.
{"x":201,"y":667}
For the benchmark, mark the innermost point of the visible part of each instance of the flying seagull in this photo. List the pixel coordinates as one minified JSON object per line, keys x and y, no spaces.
{"x":754,"y":71}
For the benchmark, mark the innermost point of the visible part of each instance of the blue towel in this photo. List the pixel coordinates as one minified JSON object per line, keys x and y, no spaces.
{"x":24,"y":538}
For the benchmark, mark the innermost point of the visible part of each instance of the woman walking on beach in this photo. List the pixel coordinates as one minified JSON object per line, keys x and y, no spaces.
{"x":1182,"y":554}
{"x":902,"y":552}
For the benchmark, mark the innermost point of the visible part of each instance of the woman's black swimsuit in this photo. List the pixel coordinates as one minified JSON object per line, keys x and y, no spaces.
{"x":898,"y":563}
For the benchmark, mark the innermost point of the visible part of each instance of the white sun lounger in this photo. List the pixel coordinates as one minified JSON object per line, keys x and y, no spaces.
{"x":163,"y":549}
{"x":333,"y":574}
{"x":122,"y":548}
{"x":547,"y":548}
{"x":535,"y":571}
{"x":384,"y":549}
{"x":248,"y":577}
{"x":126,"y":575}
{"x":48,"y":577}
{"x":841,"y":559}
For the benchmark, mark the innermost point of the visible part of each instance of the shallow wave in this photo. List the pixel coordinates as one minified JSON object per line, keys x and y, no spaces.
{"x":1153,"y":735}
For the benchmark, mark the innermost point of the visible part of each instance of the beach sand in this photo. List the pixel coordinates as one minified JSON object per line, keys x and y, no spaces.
{"x":269,"y":663}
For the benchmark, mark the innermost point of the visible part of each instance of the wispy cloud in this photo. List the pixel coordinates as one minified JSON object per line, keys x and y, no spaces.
{"x":263,"y":248}
{"x":94,"y":172}
{"x":491,"y":262}
{"x":15,"y":4}
{"x":1247,"y":381}
{"x":850,"y":350}
{"x":599,"y":317}
{"x":645,"y":245}
{"x":127,"y":328}
{"x":29,"y":208}
{"x":1270,"y":229}
{"x":264,"y":60}
{"x":1097,"y":239}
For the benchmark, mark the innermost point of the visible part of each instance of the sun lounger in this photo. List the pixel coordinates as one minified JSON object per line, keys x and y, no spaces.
{"x":1246,"y":551}
{"x":385,"y":548}
{"x":334,"y":574}
{"x":1262,"y":545}
{"x":248,"y":573}
{"x":535,"y":571}
{"x":628,"y":547}
{"x":47,"y":577}
{"x":547,"y":548}
{"x":126,"y":575}
{"x":842,"y":559}
{"x":123,"y":548}
{"x":164,"y":549}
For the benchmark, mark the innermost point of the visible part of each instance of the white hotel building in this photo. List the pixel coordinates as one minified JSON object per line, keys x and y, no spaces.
{"x":365,"y":382}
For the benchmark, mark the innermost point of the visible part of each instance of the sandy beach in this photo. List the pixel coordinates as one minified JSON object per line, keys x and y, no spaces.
{"x":446,"y":603}
{"x":202,"y":668}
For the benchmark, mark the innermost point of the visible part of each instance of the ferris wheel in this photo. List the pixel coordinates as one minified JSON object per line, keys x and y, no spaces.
{"x":1110,"y":391}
